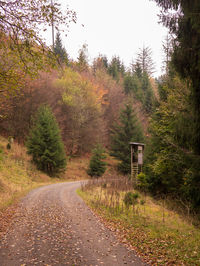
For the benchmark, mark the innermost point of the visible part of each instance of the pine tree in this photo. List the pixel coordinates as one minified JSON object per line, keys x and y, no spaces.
{"x":83,"y":58}
{"x":97,"y":166}
{"x":116,"y":68}
{"x":59,"y":50}
{"x":148,"y":96}
{"x":137,"y":69}
{"x":144,"y":60}
{"x":167,"y":49}
{"x":45,"y":144}
{"x":138,"y":83}
{"x":127,"y":130}
{"x":184,"y":24}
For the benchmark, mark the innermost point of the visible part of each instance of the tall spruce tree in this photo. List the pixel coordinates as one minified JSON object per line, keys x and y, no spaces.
{"x":116,"y":68}
{"x":138,"y":83}
{"x":126,"y":130}
{"x":83,"y":58}
{"x":45,"y":144}
{"x":170,"y":165}
{"x":144,"y":60}
{"x":59,"y":50}
{"x":184,"y":24}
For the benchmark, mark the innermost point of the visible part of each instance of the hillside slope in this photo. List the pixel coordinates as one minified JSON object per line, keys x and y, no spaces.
{"x":17,"y":174}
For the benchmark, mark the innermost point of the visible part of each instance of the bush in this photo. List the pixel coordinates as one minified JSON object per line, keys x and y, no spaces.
{"x":143,"y":182}
{"x":131,"y":198}
{"x":45,"y":143}
{"x":97,"y":166}
{"x":8,"y":146}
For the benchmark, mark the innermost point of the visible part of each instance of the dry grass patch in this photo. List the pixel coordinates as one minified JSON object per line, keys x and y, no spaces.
{"x":17,"y":174}
{"x":17,"y":177}
{"x":76,"y":169}
{"x":157,"y":233}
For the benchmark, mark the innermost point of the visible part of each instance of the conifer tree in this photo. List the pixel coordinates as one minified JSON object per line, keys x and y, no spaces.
{"x":144,"y":60}
{"x":184,"y":24}
{"x":45,"y":144}
{"x":127,"y":130}
{"x":97,"y":166}
{"x":116,"y":68}
{"x":137,"y":81}
{"x":83,"y":58}
{"x":59,"y":50}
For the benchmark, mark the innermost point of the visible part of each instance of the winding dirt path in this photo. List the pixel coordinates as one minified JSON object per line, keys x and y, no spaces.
{"x":53,"y":226}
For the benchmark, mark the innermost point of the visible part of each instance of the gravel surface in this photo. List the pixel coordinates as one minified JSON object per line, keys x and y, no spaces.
{"x":53,"y":226}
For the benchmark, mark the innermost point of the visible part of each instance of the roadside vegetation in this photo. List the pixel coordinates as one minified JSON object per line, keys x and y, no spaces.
{"x":159,"y":230}
{"x":17,"y":174}
{"x":17,"y":177}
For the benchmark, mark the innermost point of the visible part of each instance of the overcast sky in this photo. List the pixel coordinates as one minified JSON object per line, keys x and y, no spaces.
{"x":115,"y":27}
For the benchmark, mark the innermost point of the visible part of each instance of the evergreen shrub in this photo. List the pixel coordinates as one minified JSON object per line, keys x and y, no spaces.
{"x":97,"y":165}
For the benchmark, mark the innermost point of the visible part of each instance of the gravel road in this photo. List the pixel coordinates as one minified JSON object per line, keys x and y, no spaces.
{"x":53,"y":226}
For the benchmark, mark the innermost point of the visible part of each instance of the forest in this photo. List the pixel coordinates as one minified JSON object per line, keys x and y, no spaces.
{"x":80,"y":105}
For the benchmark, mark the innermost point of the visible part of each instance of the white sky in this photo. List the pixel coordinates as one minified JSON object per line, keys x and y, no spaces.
{"x":115,"y":27}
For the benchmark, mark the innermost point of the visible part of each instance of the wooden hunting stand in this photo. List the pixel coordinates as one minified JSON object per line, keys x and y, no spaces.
{"x":137,"y":151}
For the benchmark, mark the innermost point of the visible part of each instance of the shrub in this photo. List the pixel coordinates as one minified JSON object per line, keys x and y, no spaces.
{"x":97,"y":166}
{"x":8,"y":146}
{"x":131,"y":198}
{"x":143,"y":182}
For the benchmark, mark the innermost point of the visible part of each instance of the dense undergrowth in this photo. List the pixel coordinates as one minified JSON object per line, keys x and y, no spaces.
{"x":153,"y":228}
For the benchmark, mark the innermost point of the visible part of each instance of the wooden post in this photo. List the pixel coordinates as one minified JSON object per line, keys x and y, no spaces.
{"x":131,"y":161}
{"x":136,"y":158}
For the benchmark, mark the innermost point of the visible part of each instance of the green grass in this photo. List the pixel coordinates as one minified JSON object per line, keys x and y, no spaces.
{"x":161,"y":236}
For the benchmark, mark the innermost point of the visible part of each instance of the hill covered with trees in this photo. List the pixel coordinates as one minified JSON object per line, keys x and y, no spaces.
{"x":88,"y":99}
